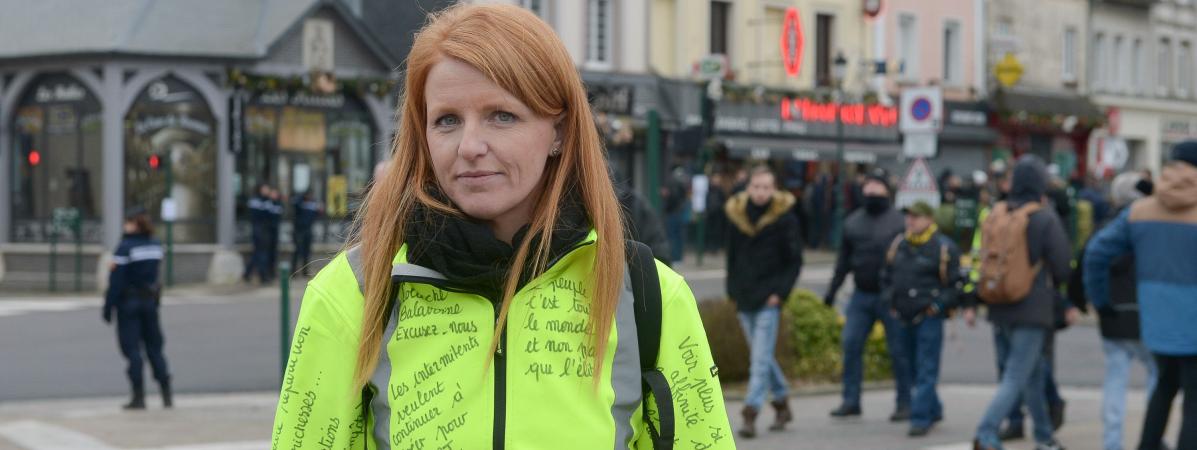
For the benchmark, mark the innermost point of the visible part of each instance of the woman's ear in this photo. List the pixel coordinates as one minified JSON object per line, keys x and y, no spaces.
{"x":559,"y":130}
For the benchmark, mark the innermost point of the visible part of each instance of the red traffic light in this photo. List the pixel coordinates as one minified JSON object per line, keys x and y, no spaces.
{"x":154,"y":162}
{"x":35,"y":158}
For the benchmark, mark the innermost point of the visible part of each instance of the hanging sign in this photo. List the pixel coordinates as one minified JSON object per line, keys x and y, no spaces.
{"x":792,"y":42}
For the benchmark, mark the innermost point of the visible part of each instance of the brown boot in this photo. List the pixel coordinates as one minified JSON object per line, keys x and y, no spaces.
{"x":748,"y":431}
{"x":782,"y":407}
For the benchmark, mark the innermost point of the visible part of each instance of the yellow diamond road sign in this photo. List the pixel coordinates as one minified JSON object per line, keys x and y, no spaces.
{"x":1009,"y":70}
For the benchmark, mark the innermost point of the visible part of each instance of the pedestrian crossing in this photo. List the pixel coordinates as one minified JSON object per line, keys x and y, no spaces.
{"x":10,"y":308}
{"x":37,"y":435}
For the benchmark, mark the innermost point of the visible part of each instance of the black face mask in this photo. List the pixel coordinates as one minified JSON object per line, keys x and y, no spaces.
{"x":876,"y":204}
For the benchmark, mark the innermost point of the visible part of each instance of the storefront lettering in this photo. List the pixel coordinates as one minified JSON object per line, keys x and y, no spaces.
{"x":858,"y":115}
{"x":60,"y":93}
{"x":153,"y":123}
{"x":276,"y":98}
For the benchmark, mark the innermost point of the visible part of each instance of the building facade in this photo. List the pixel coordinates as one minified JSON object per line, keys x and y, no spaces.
{"x":101,"y":116}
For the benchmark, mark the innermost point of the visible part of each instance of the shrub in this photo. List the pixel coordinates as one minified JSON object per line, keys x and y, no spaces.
{"x":808,"y":346}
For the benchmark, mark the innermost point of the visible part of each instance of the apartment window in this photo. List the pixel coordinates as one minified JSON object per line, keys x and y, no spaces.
{"x":1184,"y":74}
{"x":953,"y":65}
{"x":1164,"y":67}
{"x":1004,"y":27}
{"x":1069,"y":58}
{"x":598,"y":37}
{"x":1099,"y":63}
{"x":908,"y":46}
{"x":1136,"y":66}
{"x":1115,"y":69}
{"x":720,"y":17}
{"x":824,"y":35}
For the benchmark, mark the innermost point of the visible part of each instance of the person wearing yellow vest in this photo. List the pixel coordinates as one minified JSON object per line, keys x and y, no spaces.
{"x":484,"y":299}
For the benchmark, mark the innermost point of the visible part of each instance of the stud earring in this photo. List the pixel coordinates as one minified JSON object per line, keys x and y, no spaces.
{"x":555,"y":151}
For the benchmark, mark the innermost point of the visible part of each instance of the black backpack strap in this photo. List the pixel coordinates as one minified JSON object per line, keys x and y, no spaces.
{"x":646,"y":294}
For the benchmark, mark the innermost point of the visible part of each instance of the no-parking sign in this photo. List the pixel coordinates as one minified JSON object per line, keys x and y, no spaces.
{"x":922,"y":110}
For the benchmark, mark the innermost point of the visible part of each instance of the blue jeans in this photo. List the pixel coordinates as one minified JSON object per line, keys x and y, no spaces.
{"x":864,"y":310}
{"x":675,"y":230}
{"x":924,"y":344}
{"x":760,"y":329}
{"x":1120,"y":353}
{"x":1051,"y":390}
{"x":1020,"y":355}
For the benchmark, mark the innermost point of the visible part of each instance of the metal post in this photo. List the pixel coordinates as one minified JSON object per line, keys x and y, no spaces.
{"x":77,"y":225}
{"x":653,"y":183}
{"x":170,"y":235}
{"x":53,"y":257}
{"x":837,"y":231}
{"x":284,"y":307}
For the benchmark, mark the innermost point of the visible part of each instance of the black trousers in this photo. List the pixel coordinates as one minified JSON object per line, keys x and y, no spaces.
{"x":1175,"y":373}
{"x":303,"y":250}
{"x":138,"y":327}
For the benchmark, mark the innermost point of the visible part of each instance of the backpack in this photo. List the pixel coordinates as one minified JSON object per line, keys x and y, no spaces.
{"x":1005,"y":271}
{"x":646,"y":302}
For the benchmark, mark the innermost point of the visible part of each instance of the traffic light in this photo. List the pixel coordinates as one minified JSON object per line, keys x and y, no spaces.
{"x":35,"y":158}
{"x":154,"y":162}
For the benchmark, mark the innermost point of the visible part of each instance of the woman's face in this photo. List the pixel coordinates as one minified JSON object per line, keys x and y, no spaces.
{"x":488,"y":149}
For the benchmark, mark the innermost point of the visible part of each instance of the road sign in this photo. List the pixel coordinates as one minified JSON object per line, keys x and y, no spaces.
{"x":922,"y":110}
{"x":1114,"y":153}
{"x":918,"y":185}
{"x":920,"y":145}
{"x":712,"y":67}
{"x":170,"y":210}
{"x":792,"y":42}
{"x":1009,"y":70}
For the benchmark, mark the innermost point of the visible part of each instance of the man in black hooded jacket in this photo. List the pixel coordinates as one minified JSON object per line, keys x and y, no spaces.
{"x":868,"y":232}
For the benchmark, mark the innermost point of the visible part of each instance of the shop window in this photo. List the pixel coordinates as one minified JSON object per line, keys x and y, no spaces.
{"x":57,"y":158}
{"x":299,"y":143}
{"x":171,"y":120}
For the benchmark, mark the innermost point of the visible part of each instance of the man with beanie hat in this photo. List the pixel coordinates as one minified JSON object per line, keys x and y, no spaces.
{"x":1161,"y":232}
{"x":868,"y":232}
{"x":1021,"y":329}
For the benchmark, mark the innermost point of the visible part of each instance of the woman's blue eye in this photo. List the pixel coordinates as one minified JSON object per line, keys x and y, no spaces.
{"x":446,"y":121}
{"x":505,"y":117}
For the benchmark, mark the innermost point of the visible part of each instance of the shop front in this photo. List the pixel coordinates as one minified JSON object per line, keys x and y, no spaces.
{"x":1055,"y":127}
{"x":966,"y":141}
{"x":304,"y":143}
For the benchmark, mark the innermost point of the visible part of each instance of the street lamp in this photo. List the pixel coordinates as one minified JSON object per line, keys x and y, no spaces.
{"x":839,"y":70}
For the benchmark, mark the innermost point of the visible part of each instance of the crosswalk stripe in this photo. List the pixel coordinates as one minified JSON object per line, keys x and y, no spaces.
{"x":34,"y":435}
{"x":960,"y":446}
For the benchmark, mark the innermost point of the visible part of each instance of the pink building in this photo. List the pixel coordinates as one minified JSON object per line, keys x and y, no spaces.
{"x":933,"y":42}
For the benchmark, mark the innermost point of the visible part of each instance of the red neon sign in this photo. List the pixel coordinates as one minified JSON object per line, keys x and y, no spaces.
{"x":853,"y":114}
{"x":792,"y":42}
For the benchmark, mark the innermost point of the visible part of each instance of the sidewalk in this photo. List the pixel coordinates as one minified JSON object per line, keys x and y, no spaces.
{"x":243,"y":422}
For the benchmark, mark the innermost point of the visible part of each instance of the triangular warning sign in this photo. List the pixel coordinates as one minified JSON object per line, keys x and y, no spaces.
{"x":919,"y":178}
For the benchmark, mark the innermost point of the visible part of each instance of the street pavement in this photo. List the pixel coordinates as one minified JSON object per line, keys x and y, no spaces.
{"x":223,"y":346}
{"x":243,"y":422}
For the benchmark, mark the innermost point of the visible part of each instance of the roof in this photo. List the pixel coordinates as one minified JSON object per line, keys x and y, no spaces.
{"x":208,"y":28}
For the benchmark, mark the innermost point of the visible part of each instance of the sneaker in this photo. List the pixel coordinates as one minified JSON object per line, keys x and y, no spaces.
{"x":1011,"y":433}
{"x":977,"y":446}
{"x":846,"y":411}
{"x":900,"y":415}
{"x":1053,"y":445}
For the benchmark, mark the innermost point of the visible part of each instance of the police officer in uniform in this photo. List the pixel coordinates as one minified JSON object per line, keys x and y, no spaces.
{"x":259,"y":215}
{"x":306,"y":212}
{"x":134,"y":294}
{"x":274,"y":220}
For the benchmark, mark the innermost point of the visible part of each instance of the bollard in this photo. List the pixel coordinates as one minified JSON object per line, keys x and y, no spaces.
{"x":284,"y":307}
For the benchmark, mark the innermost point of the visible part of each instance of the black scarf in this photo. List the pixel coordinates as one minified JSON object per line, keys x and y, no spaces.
{"x":467,"y":252}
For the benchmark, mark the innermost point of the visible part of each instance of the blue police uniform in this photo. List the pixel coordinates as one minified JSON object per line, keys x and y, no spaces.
{"x":306,"y":212}
{"x":133,"y":292}
{"x":274,"y":218}
{"x":259,"y":218}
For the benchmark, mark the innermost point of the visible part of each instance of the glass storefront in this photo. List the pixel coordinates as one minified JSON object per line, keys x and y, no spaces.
{"x":57,"y":159}
{"x":170,"y":136}
{"x":305,"y":143}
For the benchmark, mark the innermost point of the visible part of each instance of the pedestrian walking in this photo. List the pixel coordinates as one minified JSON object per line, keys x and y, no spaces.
{"x":677,"y":213}
{"x":485,"y":298}
{"x":306,"y":211}
{"x":1119,"y":323}
{"x":258,"y":208}
{"x":134,"y":295}
{"x":1024,"y":253}
{"x":919,"y":287}
{"x":868,"y":232}
{"x":1160,"y":231}
{"x":764,"y":259}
